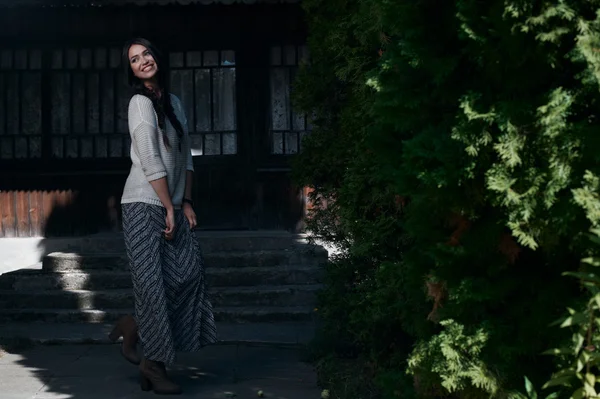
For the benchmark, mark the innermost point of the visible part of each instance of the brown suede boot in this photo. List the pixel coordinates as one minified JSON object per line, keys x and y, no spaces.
{"x":126,"y":327}
{"x":153,"y":376}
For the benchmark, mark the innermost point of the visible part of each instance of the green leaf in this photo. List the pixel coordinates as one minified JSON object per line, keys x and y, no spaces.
{"x":592,"y":261}
{"x":553,"y":395}
{"x":591,"y":277}
{"x":530,"y":389}
{"x":559,"y":351}
{"x":575,"y":319}
{"x":578,"y":394}
{"x":597,"y":300}
{"x":580,"y":365}
{"x":590,"y":381}
{"x":578,"y":341}
{"x":564,"y":381}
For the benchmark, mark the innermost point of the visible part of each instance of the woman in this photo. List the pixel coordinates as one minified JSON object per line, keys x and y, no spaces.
{"x":172,"y":311}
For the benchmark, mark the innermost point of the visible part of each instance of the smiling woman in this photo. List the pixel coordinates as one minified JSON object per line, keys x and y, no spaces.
{"x":167,"y":268}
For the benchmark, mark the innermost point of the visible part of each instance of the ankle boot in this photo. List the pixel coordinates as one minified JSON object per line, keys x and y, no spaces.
{"x":126,"y":327}
{"x":154,"y":377}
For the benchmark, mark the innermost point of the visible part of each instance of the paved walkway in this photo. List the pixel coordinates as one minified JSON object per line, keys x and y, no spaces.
{"x":98,"y":372}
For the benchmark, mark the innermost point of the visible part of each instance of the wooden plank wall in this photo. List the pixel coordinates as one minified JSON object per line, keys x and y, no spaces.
{"x":25,"y":213}
{"x":58,"y":206}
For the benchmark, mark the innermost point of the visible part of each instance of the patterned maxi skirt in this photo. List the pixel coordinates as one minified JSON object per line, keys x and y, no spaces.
{"x":171,"y":305}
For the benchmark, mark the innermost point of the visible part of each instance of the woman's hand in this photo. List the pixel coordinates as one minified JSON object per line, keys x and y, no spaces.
{"x":190,"y":215}
{"x":170,"y":222}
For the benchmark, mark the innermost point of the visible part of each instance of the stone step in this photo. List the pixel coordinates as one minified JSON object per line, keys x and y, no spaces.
{"x":222,"y":314}
{"x":282,"y":333}
{"x":268,"y":296}
{"x":210,"y":241}
{"x":39,"y":280}
{"x":68,"y":261}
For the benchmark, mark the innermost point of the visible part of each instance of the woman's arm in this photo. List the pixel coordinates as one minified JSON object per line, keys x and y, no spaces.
{"x":142,"y":124}
{"x":162,"y":190}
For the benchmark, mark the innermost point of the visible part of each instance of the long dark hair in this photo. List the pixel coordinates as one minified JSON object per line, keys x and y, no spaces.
{"x":162,"y":104}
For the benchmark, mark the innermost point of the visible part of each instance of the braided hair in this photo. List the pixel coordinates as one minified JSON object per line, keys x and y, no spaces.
{"x":162,"y":103}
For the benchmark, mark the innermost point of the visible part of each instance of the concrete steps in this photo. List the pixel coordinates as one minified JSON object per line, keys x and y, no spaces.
{"x":40,"y":280}
{"x":280,"y":296}
{"x":261,"y":278}
{"x":73,"y":262}
{"x":211,"y":241}
{"x":236,"y":314}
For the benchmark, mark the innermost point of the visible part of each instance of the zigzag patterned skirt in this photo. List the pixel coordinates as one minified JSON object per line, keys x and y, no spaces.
{"x":171,"y":306}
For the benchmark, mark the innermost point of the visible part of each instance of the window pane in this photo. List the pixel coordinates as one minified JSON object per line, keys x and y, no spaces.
{"x":277,"y":143}
{"x":20,"y":147}
{"x":35,"y":147}
{"x":114,"y":58}
{"x":101,"y":147}
{"x":93,"y":103}
{"x":276,"y":56}
{"x":100,"y":58}
{"x":57,"y":59}
{"x":229,"y":143}
{"x":85,"y":58}
{"x":280,"y":98}
{"x":194,"y":59}
{"x":196,"y":144}
{"x":6,"y":59}
{"x":203,"y":101}
{"x":108,"y":97}
{"x":291,"y":143}
{"x":124,"y":95}
{"x":72,"y":148}
{"x":176,"y":60}
{"x":213,"y":144}
{"x":78,"y":109}
{"x":6,"y":147}
{"x":61,"y":102}
{"x":87,"y":147}
{"x":116,"y":147}
{"x":57,"y":147}
{"x":12,"y":106}
{"x":35,"y":59}
{"x":182,"y":87}
{"x":32,"y":103}
{"x":71,"y":59}
{"x":2,"y":105}
{"x":289,"y":55}
{"x":224,"y":99}
{"x":21,"y":59}
{"x":211,"y":58}
{"x":228,"y":57}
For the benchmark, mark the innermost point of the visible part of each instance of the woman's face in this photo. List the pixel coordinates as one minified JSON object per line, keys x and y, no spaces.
{"x":141,"y":62}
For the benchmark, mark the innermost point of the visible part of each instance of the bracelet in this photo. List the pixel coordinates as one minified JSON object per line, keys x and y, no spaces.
{"x":189,"y":201}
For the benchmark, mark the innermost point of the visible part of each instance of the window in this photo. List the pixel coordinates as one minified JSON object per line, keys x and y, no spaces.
{"x":205,"y":83}
{"x":20,"y":104}
{"x":89,"y":102}
{"x":288,"y":127}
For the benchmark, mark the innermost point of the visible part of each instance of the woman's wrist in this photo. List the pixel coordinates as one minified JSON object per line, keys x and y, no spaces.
{"x":187,"y":201}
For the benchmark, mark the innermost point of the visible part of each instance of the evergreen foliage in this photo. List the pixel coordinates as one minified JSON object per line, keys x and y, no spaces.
{"x":455,"y":160}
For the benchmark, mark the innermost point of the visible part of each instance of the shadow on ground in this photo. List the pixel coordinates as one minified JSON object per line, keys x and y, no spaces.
{"x":98,"y":371}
